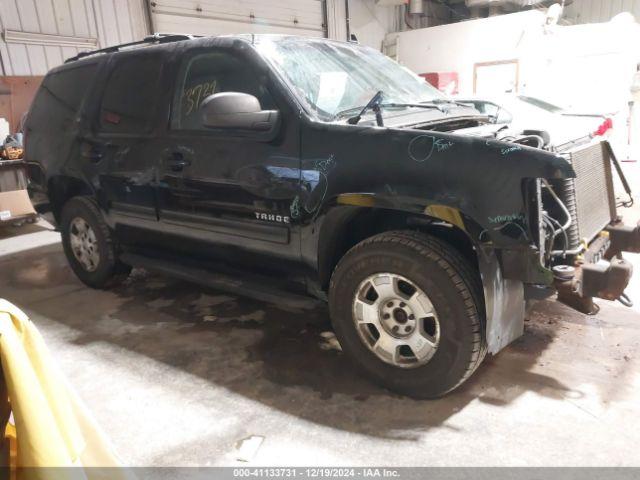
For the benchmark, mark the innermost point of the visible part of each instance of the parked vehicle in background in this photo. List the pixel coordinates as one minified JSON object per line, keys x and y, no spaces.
{"x":522,"y":112}
{"x":262,"y":164}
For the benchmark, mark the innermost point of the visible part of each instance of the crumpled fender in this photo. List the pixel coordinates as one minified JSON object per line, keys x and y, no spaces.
{"x":430,"y":172}
{"x":472,"y":183}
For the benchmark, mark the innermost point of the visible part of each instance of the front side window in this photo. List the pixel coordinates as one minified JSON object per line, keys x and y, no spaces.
{"x":208,"y":73}
{"x":131,"y":96}
{"x":332,"y":77}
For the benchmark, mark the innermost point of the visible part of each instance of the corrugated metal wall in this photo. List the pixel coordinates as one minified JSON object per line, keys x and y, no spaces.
{"x":39,"y":34}
{"x":219,"y":17}
{"x":596,"y":11}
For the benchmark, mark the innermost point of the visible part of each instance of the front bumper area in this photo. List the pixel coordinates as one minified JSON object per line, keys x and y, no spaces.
{"x":600,"y":272}
{"x":624,"y":238}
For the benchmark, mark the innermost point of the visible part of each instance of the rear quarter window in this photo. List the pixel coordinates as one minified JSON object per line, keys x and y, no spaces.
{"x":61,"y":93}
{"x":49,"y":123}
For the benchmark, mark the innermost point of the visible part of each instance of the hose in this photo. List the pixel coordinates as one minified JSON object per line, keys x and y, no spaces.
{"x":564,"y":210}
{"x":555,"y":234}
{"x":525,"y":138}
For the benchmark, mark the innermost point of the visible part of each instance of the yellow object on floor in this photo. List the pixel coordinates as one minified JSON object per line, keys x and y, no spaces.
{"x":52,"y":426}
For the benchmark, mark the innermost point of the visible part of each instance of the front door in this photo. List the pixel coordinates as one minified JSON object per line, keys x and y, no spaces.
{"x":230,"y":190}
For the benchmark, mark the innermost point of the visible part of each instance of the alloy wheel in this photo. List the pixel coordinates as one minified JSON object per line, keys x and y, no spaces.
{"x":396,"y":320}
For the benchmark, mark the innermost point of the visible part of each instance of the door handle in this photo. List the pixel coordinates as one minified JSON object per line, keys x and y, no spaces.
{"x":177,"y":161}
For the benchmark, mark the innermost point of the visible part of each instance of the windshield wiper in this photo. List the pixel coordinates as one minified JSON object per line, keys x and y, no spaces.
{"x":373,"y":104}
{"x":446,"y":101}
{"x":412,"y":105}
{"x":376,"y":104}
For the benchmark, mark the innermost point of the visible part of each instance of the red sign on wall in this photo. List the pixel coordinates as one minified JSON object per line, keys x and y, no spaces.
{"x":446,"y":82}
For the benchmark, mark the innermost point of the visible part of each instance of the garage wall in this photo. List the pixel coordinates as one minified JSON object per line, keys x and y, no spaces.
{"x":457,"y":47}
{"x":39,"y":34}
{"x":367,"y":20}
{"x":219,"y":17}
{"x":16,"y":94}
{"x":595,"y":11}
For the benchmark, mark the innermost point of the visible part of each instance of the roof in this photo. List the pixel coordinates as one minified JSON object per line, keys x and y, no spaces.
{"x":163,"y":38}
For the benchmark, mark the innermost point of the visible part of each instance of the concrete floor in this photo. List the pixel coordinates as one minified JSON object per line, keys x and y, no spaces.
{"x":178,"y":374}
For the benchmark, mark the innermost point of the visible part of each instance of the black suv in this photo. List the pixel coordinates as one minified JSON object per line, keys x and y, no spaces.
{"x":267,"y":164}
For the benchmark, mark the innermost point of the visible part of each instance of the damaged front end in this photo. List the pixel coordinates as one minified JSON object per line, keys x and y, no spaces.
{"x":581,"y":236}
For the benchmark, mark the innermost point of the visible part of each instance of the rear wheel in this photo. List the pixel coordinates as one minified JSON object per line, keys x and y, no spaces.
{"x":89,"y":245}
{"x":407,"y":308}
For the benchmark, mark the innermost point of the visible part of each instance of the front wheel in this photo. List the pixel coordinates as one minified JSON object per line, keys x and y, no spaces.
{"x":407,"y":308}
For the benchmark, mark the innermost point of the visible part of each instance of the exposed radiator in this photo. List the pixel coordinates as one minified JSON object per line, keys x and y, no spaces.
{"x":589,"y":197}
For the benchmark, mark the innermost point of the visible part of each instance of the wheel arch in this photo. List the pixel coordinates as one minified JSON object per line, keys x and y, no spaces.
{"x":61,"y":188}
{"x":503,"y":299}
{"x":344,"y":227}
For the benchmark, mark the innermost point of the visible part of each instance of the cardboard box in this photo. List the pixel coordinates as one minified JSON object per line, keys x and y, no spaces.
{"x":15,"y":205}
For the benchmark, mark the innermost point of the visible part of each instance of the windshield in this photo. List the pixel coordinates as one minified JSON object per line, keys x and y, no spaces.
{"x":333,"y":78}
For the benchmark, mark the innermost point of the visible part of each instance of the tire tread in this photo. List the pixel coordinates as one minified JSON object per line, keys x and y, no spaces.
{"x":465,"y":279}
{"x":119,"y":271}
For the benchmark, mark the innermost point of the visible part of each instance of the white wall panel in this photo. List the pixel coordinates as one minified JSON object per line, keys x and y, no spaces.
{"x":64,"y":20}
{"x":27,"y":16}
{"x":98,"y":22}
{"x":107,"y":17}
{"x":368,"y":21}
{"x":371,"y":23}
{"x":597,"y":11}
{"x":36,"y":55}
{"x":336,"y":20}
{"x":18,"y":59}
{"x":46,"y":15}
{"x":214,"y":17}
{"x":80,"y":19}
{"x":109,"y":22}
{"x":53,"y":54}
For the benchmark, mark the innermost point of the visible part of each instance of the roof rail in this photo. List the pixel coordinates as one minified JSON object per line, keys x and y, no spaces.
{"x":156,"y":38}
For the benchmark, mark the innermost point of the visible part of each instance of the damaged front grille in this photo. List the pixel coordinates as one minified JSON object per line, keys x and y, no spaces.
{"x":589,"y":197}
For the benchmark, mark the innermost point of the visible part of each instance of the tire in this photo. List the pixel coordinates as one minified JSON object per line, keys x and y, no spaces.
{"x":104,"y":270}
{"x":455,"y":329}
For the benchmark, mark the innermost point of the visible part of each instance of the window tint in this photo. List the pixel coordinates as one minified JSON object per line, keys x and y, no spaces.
{"x":131,"y":96}
{"x":48,"y":125}
{"x":210,"y":73}
{"x":67,"y":88}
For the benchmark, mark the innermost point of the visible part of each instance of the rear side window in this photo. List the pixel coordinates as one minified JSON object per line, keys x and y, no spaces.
{"x":68,"y":87}
{"x":130,"y":98}
{"x":49,"y":123}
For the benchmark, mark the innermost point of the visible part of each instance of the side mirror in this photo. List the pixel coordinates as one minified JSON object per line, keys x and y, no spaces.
{"x":237,"y":111}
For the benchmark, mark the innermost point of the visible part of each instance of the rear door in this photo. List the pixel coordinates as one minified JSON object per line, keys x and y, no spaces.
{"x":124,"y":144}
